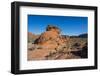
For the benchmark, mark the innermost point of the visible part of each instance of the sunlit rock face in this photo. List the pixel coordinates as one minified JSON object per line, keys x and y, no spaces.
{"x":51,"y":38}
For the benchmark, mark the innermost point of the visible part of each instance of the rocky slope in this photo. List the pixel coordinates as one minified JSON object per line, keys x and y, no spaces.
{"x":51,"y":45}
{"x":32,"y":37}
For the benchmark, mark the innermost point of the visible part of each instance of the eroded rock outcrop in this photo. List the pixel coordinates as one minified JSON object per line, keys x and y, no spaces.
{"x":51,"y":38}
{"x":48,"y":42}
{"x":51,"y":45}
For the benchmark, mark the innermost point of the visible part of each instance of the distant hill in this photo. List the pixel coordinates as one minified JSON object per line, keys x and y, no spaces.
{"x":83,"y":35}
{"x":32,"y":37}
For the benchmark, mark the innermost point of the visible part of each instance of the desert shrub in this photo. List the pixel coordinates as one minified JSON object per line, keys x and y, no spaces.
{"x":39,"y":48}
{"x":32,"y":48}
{"x":76,"y":44}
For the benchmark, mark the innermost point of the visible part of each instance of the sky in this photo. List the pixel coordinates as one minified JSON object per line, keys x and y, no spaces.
{"x":69,"y":25}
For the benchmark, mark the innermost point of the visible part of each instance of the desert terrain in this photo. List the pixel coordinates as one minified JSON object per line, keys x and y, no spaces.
{"x":52,"y":45}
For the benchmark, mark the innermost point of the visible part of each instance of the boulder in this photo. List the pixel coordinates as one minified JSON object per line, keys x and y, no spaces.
{"x":51,"y":38}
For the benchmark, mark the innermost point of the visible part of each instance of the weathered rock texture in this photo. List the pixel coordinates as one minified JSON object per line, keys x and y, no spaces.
{"x":51,"y":39}
{"x":51,"y":45}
